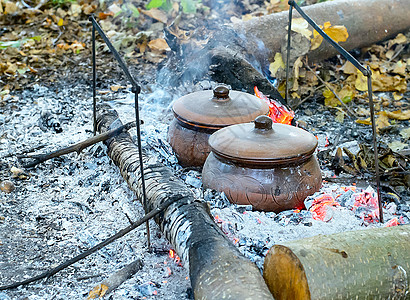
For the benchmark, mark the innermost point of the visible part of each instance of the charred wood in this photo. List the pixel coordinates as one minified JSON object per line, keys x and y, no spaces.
{"x":217,"y":268}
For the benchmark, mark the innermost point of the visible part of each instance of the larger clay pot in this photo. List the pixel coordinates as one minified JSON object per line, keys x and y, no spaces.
{"x":269,"y":166}
{"x":199,"y":114}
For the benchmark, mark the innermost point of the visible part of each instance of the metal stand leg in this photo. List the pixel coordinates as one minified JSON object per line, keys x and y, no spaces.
{"x":288,"y":53}
{"x":376,"y":155}
{"x":94,"y":85}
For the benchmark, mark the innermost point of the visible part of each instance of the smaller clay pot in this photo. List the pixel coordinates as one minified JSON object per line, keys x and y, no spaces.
{"x":199,"y":114}
{"x":269,"y":166}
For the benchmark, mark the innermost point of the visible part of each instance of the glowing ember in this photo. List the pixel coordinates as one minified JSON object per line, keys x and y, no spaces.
{"x":278,"y":112}
{"x":320,"y":207}
{"x":174,"y":256}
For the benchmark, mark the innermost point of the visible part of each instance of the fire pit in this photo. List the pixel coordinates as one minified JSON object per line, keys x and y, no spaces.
{"x":269,"y":166}
{"x":199,"y":114}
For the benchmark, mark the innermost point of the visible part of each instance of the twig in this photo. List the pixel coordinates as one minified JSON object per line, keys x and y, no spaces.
{"x":90,"y":251}
{"x":397,"y":53}
{"x":39,"y":158}
{"x":334,"y":93}
{"x":115,"y":280}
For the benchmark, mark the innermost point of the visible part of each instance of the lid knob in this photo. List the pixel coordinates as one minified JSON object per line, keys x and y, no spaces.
{"x":221,"y":93}
{"x":263,"y":122}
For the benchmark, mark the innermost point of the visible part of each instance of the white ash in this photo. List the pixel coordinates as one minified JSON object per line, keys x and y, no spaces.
{"x":74,"y":202}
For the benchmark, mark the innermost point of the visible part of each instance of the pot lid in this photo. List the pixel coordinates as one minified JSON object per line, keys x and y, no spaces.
{"x":262,"y":142}
{"x":218,"y":108}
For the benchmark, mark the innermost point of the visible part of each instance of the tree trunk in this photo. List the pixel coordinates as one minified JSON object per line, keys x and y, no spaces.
{"x":217,"y":269}
{"x":366,"y":264}
{"x":367,"y":22}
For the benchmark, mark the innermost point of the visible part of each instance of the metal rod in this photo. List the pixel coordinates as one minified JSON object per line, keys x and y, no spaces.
{"x":136,"y":89}
{"x":288,"y":55}
{"x":94,"y":85}
{"x":376,"y":155}
{"x":144,"y":194}
{"x":115,"y":53}
{"x":339,"y":48}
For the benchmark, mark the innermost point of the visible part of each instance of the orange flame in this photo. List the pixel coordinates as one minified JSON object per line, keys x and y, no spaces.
{"x":278,"y":112}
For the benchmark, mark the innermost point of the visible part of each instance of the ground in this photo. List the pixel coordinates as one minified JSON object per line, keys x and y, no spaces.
{"x":68,"y":204}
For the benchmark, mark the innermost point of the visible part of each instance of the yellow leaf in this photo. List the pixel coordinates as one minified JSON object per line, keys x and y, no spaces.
{"x":98,"y":291}
{"x":340,"y":116}
{"x":387,"y":83}
{"x":398,"y":115}
{"x":364,"y":121}
{"x":361,"y":82}
{"x":115,"y":88}
{"x":296,"y":66}
{"x":400,"y":68}
{"x":382,"y":121}
{"x":277,"y":64}
{"x":405,"y":133}
{"x":300,"y":25}
{"x":348,"y":68}
{"x":397,"y":145}
{"x":397,"y":96}
{"x":60,"y":22}
{"x":338,"y":33}
{"x":158,"y":45}
{"x":330,"y":99}
{"x":399,"y":39}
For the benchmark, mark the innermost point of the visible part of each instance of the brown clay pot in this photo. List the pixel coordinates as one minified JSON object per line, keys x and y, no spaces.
{"x":269,"y":166}
{"x":199,"y":114}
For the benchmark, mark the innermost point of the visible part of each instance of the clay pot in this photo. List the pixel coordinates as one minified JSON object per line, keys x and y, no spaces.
{"x":269,"y":166}
{"x":199,"y":114}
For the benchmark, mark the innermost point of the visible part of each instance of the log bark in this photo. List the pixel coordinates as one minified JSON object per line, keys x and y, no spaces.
{"x":366,"y":264}
{"x":367,"y":22}
{"x":217,"y":269}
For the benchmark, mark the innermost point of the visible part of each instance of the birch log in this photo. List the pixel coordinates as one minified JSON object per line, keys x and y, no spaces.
{"x":367,"y":22}
{"x":366,"y":264}
{"x":217,"y":269}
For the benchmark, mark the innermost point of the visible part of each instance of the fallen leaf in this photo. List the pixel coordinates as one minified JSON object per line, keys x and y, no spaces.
{"x":296,"y":66}
{"x":300,"y":25}
{"x":400,"y":68}
{"x":382,"y":121}
{"x":398,"y":115}
{"x":98,"y":291}
{"x":114,"y":8}
{"x":10,"y":8}
{"x":348,"y":68}
{"x":397,"y":146}
{"x":103,"y":15}
{"x":156,"y":14}
{"x":115,"y":88}
{"x":399,"y":39}
{"x":158,"y":45}
{"x":405,"y":133}
{"x":60,"y":22}
{"x":338,"y":33}
{"x":277,"y":64}
{"x":397,"y":96}
{"x":340,"y":116}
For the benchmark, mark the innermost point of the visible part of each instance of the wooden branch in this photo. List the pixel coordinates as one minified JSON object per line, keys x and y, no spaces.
{"x":39,"y":158}
{"x":155,"y":211}
{"x":217,"y":269}
{"x":115,"y":280}
{"x":365,"y":264}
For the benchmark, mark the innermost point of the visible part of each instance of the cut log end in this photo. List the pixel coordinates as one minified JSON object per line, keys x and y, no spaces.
{"x":285,"y":275}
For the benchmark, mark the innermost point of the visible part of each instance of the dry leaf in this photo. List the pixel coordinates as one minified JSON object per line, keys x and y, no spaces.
{"x":10,"y":8}
{"x":277,"y":64}
{"x":382,"y":121}
{"x":300,"y":25}
{"x":98,"y":291}
{"x":399,"y":115}
{"x":103,"y":16}
{"x":348,"y":68}
{"x":158,"y":45}
{"x":296,"y":66}
{"x":397,"y":146}
{"x":338,"y":33}
{"x":60,"y":22}
{"x":397,"y":96}
{"x":115,"y":88}
{"x":405,"y":133}
{"x":156,"y":14}
{"x":400,"y":68}
{"x":364,"y":121}
{"x":399,"y":39}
